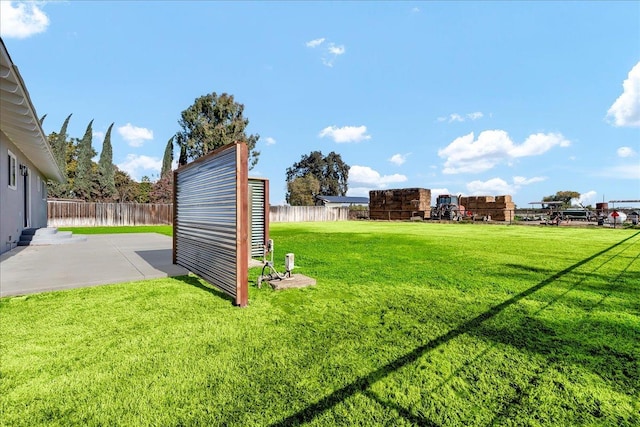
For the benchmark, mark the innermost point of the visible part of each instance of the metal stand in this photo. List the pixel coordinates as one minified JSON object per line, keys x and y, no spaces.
{"x":268,"y":264}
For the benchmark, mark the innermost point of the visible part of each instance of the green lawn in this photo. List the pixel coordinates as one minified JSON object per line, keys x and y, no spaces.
{"x":161,"y":229}
{"x":409,"y":324}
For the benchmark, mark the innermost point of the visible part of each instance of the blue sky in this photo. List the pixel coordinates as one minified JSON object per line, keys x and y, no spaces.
{"x":473,"y":98}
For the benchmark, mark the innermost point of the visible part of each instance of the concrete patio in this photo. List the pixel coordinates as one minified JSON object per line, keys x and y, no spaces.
{"x":101,"y":259}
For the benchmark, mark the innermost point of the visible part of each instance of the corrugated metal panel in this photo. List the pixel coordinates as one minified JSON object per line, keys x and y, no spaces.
{"x":257,"y":216}
{"x":207,"y":214}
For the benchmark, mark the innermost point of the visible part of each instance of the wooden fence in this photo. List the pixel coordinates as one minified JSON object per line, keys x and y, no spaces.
{"x":71,"y":213}
{"x":307,"y":214}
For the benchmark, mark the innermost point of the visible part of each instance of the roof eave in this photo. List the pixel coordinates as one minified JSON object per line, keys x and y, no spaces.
{"x":19,"y":121}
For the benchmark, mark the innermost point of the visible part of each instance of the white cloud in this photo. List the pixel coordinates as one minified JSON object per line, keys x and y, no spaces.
{"x":455,"y":117}
{"x":585,"y":199}
{"x":358,"y":192}
{"x":497,"y":186}
{"x":336,"y":50}
{"x":537,"y":144}
{"x":625,"y":111}
{"x":345,"y":133}
{"x":331,"y":54}
{"x":492,"y":186}
{"x":399,"y":159}
{"x":519,"y":181}
{"x":364,"y":176}
{"x":626,"y":152}
{"x":134,"y":135}
{"x":330,"y":51}
{"x":315,"y":42}
{"x":468,"y":155}
{"x":139,"y":165}
{"x":21,"y":20}
{"x":415,"y":10}
{"x":269,"y":141}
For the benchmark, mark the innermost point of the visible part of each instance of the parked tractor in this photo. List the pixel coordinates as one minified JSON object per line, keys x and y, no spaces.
{"x":448,"y":207}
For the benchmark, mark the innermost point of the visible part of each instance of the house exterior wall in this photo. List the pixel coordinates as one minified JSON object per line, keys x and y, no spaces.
{"x":12,"y":206}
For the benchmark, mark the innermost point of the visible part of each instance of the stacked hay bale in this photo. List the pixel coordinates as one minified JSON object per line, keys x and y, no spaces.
{"x":399,"y":204}
{"x":498,"y":208}
{"x":505,"y":208}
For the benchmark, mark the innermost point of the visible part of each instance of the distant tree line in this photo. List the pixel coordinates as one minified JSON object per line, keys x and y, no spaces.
{"x":103,"y":181}
{"x":212,"y":121}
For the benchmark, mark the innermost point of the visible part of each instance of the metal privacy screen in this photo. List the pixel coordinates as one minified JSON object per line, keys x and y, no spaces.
{"x":258,"y":215}
{"x":210,"y":228}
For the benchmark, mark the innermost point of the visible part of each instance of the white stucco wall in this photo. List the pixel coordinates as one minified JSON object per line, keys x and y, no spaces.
{"x":12,"y":212}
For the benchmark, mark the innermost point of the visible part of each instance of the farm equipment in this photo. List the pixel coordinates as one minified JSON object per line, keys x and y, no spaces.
{"x":448,"y":207}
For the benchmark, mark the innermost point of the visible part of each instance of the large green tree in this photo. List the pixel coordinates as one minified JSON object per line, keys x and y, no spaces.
{"x":59,"y":144}
{"x":211,"y":122}
{"x":562,"y":196}
{"x":330,"y":171}
{"x":144,"y":190}
{"x":162,"y":190}
{"x":126,"y":188}
{"x":302,"y":191}
{"x":106,"y":169}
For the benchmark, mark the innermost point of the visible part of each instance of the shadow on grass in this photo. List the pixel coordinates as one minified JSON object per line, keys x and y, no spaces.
{"x":598,"y":344}
{"x":407,"y":415}
{"x":196,"y":282}
{"x":363,"y":383}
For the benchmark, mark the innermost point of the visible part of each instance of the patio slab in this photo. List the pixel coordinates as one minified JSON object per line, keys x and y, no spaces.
{"x":101,"y":259}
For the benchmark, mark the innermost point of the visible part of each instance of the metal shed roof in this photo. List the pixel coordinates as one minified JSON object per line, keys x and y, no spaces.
{"x":344,"y":199}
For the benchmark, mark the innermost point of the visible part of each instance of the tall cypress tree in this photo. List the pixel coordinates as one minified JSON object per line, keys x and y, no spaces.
{"x":167,"y":159}
{"x":83,"y":181}
{"x":59,"y":145}
{"x":106,"y":169}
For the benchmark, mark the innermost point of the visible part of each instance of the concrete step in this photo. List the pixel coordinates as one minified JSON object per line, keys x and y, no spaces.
{"x":29,"y":231}
{"x":48,"y":231}
{"x":48,"y":236}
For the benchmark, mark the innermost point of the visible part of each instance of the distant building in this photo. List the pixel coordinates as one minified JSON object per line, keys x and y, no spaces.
{"x":341,"y":201}
{"x":26,"y":161}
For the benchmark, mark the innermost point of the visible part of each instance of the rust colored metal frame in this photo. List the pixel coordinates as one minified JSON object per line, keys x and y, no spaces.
{"x":241,"y":285}
{"x":242,"y":225}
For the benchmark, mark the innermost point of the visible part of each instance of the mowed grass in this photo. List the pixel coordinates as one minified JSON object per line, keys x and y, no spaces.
{"x":160,"y":229}
{"x":409,"y":324}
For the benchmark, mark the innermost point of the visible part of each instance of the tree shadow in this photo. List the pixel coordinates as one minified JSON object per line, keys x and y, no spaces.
{"x":593,"y":343}
{"x":404,"y":413}
{"x":363,"y":383}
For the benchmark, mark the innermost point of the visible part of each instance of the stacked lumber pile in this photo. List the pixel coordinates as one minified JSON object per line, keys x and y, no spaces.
{"x":400,"y":204}
{"x":498,"y":208}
